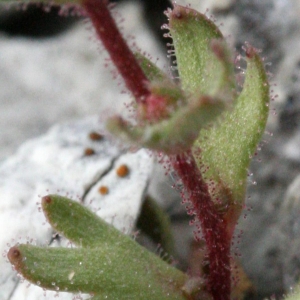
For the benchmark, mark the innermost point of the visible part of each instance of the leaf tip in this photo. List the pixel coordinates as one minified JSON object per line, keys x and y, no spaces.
{"x":181,"y":13}
{"x":176,"y":12}
{"x":46,"y":200}
{"x":15,"y":257}
{"x":250,"y":51}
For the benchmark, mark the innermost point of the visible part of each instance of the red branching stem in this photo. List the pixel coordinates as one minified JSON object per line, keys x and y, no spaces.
{"x":214,"y":227}
{"x":119,"y":52}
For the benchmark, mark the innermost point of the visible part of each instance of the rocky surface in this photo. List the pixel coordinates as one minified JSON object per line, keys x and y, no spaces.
{"x":68,"y":162}
{"x":46,"y":81}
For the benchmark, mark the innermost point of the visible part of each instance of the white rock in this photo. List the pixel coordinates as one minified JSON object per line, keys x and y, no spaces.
{"x":56,"y":163}
{"x":46,"y":81}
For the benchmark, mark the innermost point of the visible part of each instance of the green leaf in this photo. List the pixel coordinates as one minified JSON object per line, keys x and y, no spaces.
{"x":204,"y":62}
{"x":155,"y":223}
{"x":172,"y":116}
{"x":226,"y":148}
{"x":109,"y":263}
{"x":172,"y":135}
{"x":162,"y":87}
{"x":181,"y":120}
{"x":152,"y":72}
{"x":118,"y":271}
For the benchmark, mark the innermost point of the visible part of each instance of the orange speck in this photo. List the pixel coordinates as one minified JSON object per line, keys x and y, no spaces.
{"x":103,"y":190}
{"x":89,"y":151}
{"x":95,"y":136}
{"x":122,"y":171}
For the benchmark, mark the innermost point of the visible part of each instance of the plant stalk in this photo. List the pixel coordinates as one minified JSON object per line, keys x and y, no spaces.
{"x":213,"y":225}
{"x":122,"y":57}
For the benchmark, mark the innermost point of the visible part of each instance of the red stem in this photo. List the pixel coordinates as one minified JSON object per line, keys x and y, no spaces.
{"x":213,"y":225}
{"x":119,"y":52}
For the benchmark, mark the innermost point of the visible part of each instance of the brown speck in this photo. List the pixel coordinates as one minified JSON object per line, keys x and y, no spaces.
{"x":89,"y":151}
{"x":47,"y":199}
{"x":122,"y":171}
{"x":95,"y":136}
{"x":103,"y":190}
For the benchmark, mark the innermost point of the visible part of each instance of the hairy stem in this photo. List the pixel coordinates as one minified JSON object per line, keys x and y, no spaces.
{"x":120,"y":54}
{"x":213,"y":225}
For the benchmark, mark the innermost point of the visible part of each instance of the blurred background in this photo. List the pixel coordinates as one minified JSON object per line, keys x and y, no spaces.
{"x":53,"y":69}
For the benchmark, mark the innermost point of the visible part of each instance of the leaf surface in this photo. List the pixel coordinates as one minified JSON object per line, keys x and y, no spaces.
{"x":77,"y":223}
{"x":109,"y":263}
{"x":225,"y":150}
{"x":204,"y":62}
{"x":112,"y":270}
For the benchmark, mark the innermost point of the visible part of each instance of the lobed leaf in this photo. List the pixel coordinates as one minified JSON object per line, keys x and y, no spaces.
{"x":109,"y":263}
